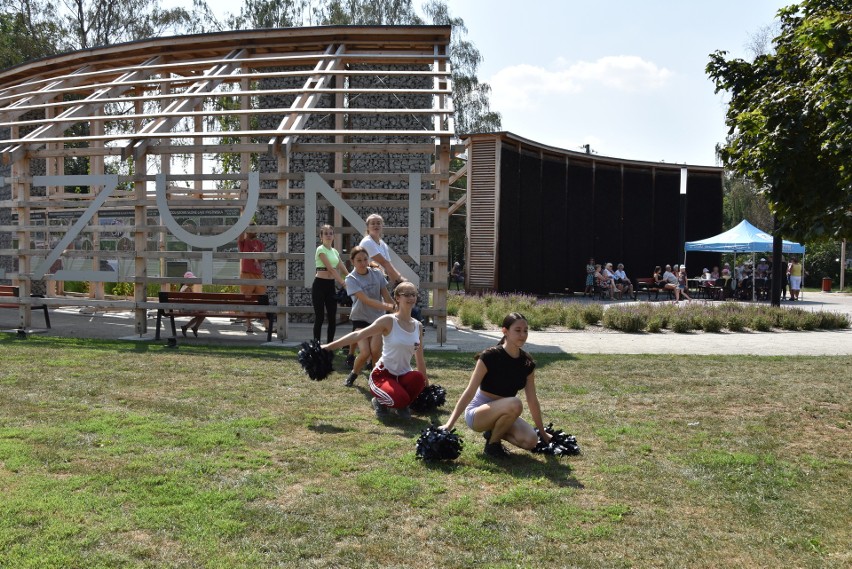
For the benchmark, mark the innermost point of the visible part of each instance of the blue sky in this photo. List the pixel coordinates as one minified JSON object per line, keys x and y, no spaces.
{"x":624,"y":76}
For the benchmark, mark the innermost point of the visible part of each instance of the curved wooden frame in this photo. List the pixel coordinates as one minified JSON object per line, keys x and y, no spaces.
{"x":279,"y":104}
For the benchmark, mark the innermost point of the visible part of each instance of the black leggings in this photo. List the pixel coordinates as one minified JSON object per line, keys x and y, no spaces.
{"x":322,"y":295}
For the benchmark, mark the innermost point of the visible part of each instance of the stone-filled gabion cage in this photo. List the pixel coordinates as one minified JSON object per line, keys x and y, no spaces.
{"x":136,"y":162}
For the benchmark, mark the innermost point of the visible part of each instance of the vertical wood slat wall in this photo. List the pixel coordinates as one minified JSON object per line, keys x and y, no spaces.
{"x":483,"y":191}
{"x":173,"y":94}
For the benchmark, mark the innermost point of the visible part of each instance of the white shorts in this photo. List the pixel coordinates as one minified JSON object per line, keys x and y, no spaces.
{"x":795,"y":283}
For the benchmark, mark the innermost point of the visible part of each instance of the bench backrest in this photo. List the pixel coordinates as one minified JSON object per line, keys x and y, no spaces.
{"x":213,"y":298}
{"x":645,"y":280}
{"x":10,"y":291}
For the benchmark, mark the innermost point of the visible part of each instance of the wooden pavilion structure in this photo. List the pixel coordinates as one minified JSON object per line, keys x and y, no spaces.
{"x":130,"y":163}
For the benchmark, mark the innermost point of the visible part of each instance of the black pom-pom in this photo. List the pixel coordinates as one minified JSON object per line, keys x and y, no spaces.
{"x":432,"y":397}
{"x":560,"y":444}
{"x":438,"y":444}
{"x":315,"y":361}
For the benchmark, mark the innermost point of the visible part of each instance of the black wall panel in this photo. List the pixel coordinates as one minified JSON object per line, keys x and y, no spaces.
{"x":554,"y":214}
{"x":666,"y":228}
{"x":703,"y":217}
{"x":509,"y":247}
{"x":637,"y":223}
{"x":581,"y":221}
{"x":607,"y":214}
{"x":554,"y":229}
{"x":532,"y":235}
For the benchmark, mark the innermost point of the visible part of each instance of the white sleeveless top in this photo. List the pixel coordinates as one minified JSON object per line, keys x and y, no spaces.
{"x":398,"y":347}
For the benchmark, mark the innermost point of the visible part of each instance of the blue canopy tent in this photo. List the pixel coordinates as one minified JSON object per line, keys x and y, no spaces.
{"x":744,"y":238}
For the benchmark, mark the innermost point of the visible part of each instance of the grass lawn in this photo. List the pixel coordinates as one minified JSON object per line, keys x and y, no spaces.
{"x":117,"y":454}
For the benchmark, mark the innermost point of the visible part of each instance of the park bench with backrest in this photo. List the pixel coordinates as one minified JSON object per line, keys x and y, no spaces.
{"x":7,"y":291}
{"x":647,"y":286}
{"x":216,"y":304}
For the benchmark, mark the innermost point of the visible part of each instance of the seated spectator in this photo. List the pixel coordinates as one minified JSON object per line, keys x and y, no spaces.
{"x":659,"y":282}
{"x":610,"y":275}
{"x":622,"y":281}
{"x":669,"y":279}
{"x":603,"y":282}
{"x":715,"y":273}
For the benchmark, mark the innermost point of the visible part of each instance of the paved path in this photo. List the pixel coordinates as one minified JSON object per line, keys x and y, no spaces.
{"x":71,"y":322}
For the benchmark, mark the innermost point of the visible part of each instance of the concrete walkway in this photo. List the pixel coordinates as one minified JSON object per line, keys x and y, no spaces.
{"x":76,"y":322}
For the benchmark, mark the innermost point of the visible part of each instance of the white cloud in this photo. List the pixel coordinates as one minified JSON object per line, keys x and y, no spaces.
{"x":520,"y":86}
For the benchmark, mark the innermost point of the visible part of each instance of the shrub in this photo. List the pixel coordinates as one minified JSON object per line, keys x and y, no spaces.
{"x":471,"y":316}
{"x":681,"y":324}
{"x":593,"y":313}
{"x":811,"y":321}
{"x":454,"y":304}
{"x":761,"y":324}
{"x":736,"y":323}
{"x":790,"y":321}
{"x":655,"y":324}
{"x":711,"y":323}
{"x":624,"y":320}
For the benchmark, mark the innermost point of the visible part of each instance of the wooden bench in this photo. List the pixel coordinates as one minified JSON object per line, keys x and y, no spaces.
{"x":7,"y":291}
{"x":219,"y":304}
{"x":647,"y":286}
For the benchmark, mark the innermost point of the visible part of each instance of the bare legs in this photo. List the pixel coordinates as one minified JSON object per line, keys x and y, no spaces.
{"x":502,"y":418}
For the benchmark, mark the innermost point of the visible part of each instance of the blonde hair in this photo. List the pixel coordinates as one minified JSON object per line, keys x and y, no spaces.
{"x":367,"y":221}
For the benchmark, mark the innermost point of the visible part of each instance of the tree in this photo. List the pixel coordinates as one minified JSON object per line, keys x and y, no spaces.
{"x":470,"y":97}
{"x":256,"y":14}
{"x":790,"y":119}
{"x":22,"y":37}
{"x":742,"y":200}
{"x":94,"y":23}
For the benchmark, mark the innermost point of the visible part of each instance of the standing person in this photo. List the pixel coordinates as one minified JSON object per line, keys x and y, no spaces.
{"x":393,"y":382}
{"x":251,"y":268}
{"x":784,"y":278}
{"x":590,"y":278}
{"x":377,"y":249}
{"x":490,"y":401}
{"x":682,"y":284}
{"x":368,"y":288}
{"x":794,"y":276}
{"x":456,"y":275}
{"x":196,"y":320}
{"x":328,"y":270}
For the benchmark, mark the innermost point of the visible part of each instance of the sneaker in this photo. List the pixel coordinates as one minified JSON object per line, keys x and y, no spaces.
{"x":495,"y":450}
{"x":403,"y":413}
{"x":350,"y":361}
{"x":487,"y":436}
{"x":350,"y":381}
{"x":381,"y":410}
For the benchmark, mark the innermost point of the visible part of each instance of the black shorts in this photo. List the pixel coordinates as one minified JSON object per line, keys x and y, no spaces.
{"x":359,"y":324}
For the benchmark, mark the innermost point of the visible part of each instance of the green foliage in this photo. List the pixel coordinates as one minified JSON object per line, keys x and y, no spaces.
{"x":736,"y":323}
{"x":760,"y":324}
{"x":821,"y":260}
{"x":625,"y":320}
{"x":24,"y":39}
{"x":743,"y":200}
{"x":789,"y":116}
{"x":592,"y":313}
